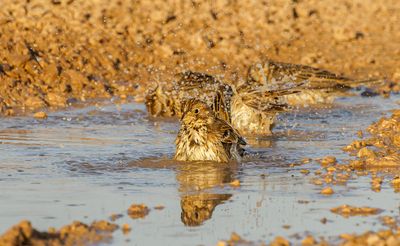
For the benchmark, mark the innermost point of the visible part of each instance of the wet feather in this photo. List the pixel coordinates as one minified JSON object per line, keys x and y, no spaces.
{"x":205,"y":137}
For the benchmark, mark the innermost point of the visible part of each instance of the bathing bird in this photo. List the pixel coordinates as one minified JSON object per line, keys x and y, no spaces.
{"x":251,"y":107}
{"x":203,"y":136}
{"x":251,"y":111}
{"x":319,"y":86}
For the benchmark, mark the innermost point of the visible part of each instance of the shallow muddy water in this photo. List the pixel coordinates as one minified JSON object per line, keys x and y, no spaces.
{"x":86,"y":164}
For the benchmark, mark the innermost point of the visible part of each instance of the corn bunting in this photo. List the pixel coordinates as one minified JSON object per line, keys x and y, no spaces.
{"x":204,"y":136}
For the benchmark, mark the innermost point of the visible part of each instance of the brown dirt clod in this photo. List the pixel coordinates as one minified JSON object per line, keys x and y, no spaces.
{"x":347,"y":211}
{"x":40,"y":115}
{"x":76,"y":233}
{"x":136,"y":211}
{"x":327,"y":191}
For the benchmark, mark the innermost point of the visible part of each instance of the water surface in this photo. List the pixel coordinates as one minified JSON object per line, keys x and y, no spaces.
{"x":85,"y":164}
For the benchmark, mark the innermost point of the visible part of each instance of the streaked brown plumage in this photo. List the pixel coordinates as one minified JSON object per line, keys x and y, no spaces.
{"x":161,"y":102}
{"x":250,"y":111}
{"x":251,"y":107}
{"x":167,"y":102}
{"x":319,"y":85}
{"x":204,"y":136}
{"x":253,"y":110}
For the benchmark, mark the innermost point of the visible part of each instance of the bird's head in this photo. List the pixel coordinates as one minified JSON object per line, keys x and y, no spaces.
{"x":196,"y":112}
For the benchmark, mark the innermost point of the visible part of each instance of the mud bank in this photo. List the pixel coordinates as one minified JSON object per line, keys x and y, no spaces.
{"x":56,"y":53}
{"x":77,"y":233}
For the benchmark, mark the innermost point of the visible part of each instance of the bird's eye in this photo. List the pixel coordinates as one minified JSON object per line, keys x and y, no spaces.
{"x":196,"y":111}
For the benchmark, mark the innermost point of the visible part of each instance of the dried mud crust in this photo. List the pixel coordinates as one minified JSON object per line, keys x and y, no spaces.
{"x":376,"y":154}
{"x":76,"y":233}
{"x":383,"y":237}
{"x":54,"y":53}
{"x":382,"y":147}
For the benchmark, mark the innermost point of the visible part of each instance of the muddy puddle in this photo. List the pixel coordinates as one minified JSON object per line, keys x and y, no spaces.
{"x":87,"y":164}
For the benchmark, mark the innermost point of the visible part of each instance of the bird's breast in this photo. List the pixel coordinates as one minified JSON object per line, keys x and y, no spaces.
{"x":198,"y":145}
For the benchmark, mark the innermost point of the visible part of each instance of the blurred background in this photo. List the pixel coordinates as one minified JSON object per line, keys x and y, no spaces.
{"x":57,"y":52}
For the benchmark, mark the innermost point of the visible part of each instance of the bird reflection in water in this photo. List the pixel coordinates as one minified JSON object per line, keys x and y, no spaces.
{"x":198,"y":187}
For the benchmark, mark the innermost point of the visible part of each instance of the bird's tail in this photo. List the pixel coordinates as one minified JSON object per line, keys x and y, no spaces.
{"x":366,"y":82}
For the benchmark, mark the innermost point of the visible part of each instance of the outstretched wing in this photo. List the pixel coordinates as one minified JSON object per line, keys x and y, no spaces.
{"x":267,"y":100}
{"x":221,"y":107}
{"x":281,"y":74}
{"x":160,"y":102}
{"x":216,"y":94}
{"x":227,"y":133}
{"x":195,"y":80}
